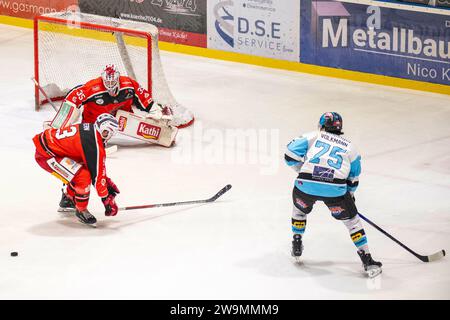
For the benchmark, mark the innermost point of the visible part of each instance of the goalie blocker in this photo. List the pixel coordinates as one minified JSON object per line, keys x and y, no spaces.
{"x":146,"y":129}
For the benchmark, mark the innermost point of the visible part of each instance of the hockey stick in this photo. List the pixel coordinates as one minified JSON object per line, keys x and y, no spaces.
{"x":44,"y":93}
{"x":170,"y":204}
{"x":433,"y":257}
{"x":108,"y":151}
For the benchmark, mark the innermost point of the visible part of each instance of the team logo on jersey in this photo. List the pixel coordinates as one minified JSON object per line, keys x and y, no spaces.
{"x":322,"y":173}
{"x":336,"y":210}
{"x":301,"y":203}
{"x":86,"y":126}
{"x":148,"y":131}
{"x":99,"y":101}
{"x":122,"y":123}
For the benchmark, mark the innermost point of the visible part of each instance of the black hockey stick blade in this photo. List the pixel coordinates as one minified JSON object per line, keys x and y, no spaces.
{"x":220,"y":193}
{"x":170,"y":204}
{"x":433,"y":257}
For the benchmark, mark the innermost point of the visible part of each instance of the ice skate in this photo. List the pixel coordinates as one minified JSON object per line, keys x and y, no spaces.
{"x":66,"y":204}
{"x":372,"y":267}
{"x":297,"y":247}
{"x":86,"y":217}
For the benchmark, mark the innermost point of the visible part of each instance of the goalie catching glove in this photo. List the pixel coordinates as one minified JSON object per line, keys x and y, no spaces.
{"x":160,"y":112}
{"x":109,"y":201}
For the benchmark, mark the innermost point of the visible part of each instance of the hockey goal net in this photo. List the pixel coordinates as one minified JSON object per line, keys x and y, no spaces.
{"x":73,"y":48}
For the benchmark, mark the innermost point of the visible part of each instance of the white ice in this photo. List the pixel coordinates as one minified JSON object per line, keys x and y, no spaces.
{"x":238,"y":247}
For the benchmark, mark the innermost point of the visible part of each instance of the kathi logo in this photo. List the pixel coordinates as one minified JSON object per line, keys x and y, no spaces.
{"x":224,"y":21}
{"x":148,"y":131}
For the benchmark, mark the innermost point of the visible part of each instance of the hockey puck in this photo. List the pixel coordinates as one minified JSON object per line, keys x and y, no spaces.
{"x":14,"y":254}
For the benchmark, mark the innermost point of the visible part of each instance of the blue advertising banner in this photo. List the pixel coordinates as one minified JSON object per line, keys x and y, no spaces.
{"x":394,"y":42}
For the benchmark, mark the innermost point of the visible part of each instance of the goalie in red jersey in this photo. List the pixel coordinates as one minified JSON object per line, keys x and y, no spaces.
{"x":76,"y":155}
{"x":110,"y":93}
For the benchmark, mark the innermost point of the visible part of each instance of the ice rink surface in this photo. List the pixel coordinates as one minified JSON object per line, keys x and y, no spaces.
{"x":238,"y":247}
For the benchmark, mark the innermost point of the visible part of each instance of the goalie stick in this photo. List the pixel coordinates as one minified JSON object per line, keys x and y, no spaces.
{"x":44,"y":93}
{"x":170,"y":204}
{"x":108,"y":150}
{"x":433,"y":257}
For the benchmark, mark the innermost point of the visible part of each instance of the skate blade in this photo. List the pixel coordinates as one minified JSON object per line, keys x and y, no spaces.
{"x":372,"y":272}
{"x":296,"y":259}
{"x":92,"y":225}
{"x":66,"y":210}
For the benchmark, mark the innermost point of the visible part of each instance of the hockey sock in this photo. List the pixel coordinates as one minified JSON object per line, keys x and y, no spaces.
{"x":81,"y":201}
{"x":70,"y":191}
{"x":357,"y":233}
{"x":298,"y":221}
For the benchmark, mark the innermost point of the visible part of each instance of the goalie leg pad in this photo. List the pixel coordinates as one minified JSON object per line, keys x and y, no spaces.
{"x":146,"y":129}
{"x":67,"y":114}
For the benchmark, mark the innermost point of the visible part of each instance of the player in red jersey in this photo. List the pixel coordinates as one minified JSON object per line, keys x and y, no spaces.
{"x":107,"y":94}
{"x":76,"y":155}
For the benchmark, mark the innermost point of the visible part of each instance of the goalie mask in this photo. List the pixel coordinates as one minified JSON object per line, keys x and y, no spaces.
{"x":111,"y":79}
{"x":106,"y":125}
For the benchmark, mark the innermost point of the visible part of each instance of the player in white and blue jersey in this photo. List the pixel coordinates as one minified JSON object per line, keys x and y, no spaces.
{"x":328,"y":167}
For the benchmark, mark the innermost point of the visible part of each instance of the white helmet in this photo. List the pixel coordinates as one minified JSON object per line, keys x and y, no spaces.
{"x":111,"y":79}
{"x":106,"y":125}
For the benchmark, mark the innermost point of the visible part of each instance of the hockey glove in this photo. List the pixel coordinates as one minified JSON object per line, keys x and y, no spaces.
{"x":112,"y":188}
{"x":159,"y":112}
{"x":167,"y":113}
{"x":111,"y":208}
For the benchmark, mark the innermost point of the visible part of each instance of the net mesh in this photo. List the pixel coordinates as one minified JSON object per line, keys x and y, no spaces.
{"x":71,"y":52}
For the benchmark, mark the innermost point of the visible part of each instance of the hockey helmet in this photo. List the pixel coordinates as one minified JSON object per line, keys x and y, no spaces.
{"x":107,"y":125}
{"x":331,"y":122}
{"x":111,"y":79}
